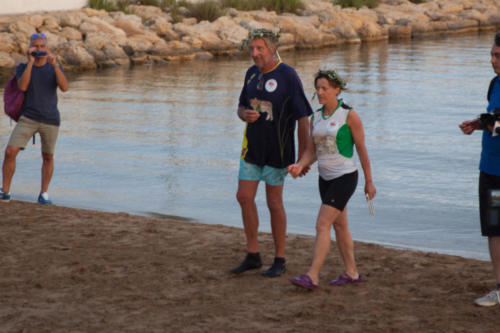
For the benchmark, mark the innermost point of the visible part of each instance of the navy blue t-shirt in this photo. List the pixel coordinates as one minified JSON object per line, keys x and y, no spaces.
{"x":279,"y":97}
{"x":40,"y":99}
{"x":490,"y":154}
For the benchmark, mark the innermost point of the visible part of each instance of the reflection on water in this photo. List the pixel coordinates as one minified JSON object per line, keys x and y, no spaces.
{"x":166,"y":139}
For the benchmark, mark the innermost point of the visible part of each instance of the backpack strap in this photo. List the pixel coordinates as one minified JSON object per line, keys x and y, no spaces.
{"x":490,"y":88}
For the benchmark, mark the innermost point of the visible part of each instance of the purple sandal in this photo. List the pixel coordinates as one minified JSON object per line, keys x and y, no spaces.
{"x":304,"y":281}
{"x":345,"y":279}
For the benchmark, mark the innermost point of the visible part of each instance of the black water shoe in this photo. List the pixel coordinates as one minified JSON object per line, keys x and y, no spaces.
{"x":277,"y":268}
{"x":252,"y":261}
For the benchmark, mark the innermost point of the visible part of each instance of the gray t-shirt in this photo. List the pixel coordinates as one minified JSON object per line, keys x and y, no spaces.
{"x":40,"y":99}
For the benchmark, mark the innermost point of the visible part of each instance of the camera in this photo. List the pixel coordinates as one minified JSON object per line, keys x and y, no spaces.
{"x":38,"y":53}
{"x":491,"y":119}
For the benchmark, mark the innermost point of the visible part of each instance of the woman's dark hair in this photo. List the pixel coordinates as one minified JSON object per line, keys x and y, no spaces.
{"x":332,"y":77}
{"x":497,"y":39}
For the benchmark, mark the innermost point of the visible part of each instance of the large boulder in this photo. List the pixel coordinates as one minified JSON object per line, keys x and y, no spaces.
{"x":474,"y":14}
{"x":22,"y":27}
{"x":74,"y":56}
{"x":95,"y":24}
{"x":50,"y":23}
{"x":163,"y":28}
{"x":250,"y":24}
{"x":139,"y":44}
{"x":399,"y":32}
{"x":264,"y":16}
{"x":494,"y":20}
{"x":71,"y":33}
{"x":447,"y":7}
{"x":462,"y":25}
{"x":287,"y":24}
{"x":97,"y":40}
{"x":131,"y":24}
{"x":148,"y":36}
{"x":6,"y":60}
{"x":8,"y":43}
{"x":173,"y":48}
{"x":307,"y":35}
{"x":87,"y":27}
{"x":71,"y":18}
{"x":347,"y":32}
{"x":227,"y":29}
{"x":391,"y":15}
{"x":22,"y":40}
{"x":90,"y":12}
{"x":35,"y":20}
{"x":115,"y":52}
{"x":54,"y":41}
{"x":145,"y":12}
{"x":371,"y":31}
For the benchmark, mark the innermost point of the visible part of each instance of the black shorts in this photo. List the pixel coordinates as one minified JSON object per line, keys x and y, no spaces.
{"x":338,"y":191}
{"x":490,"y":224}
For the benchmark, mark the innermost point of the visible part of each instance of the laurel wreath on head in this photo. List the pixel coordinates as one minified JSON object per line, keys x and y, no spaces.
{"x":260,"y":33}
{"x":332,"y":76}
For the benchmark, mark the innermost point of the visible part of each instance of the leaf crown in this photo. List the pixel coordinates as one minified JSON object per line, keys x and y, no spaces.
{"x":260,"y":33}
{"x":332,"y":76}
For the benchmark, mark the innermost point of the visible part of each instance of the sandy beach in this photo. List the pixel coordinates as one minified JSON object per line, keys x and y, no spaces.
{"x":72,"y":270}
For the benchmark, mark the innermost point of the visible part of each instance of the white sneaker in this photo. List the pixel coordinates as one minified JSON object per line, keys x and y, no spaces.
{"x":493,"y":298}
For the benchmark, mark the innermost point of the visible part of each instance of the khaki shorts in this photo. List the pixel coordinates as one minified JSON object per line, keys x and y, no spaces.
{"x":26,"y":128}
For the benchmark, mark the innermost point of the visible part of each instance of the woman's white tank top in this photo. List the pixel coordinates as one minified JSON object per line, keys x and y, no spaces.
{"x":333,"y":142}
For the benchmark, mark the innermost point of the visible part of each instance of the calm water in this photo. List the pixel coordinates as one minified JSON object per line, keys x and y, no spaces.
{"x":166,"y":139}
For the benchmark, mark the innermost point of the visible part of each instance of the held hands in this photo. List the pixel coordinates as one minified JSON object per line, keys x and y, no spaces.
{"x":304,"y":171}
{"x":296,"y":170}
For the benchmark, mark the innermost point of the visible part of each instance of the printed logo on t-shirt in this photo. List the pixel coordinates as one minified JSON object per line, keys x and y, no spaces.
{"x":271,"y":85}
{"x":264,"y":107}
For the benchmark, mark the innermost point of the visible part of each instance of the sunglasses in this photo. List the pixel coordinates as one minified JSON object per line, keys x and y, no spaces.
{"x":260,"y":84}
{"x":41,"y":35}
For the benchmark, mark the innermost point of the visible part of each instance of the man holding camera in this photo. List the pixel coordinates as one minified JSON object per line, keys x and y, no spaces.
{"x":489,"y":177}
{"x":39,"y":79}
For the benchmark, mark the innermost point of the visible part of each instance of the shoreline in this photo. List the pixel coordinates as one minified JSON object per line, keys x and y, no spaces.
{"x":290,"y":233}
{"x":67,"y":269}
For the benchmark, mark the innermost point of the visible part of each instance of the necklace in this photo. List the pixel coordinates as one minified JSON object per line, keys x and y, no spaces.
{"x":329,"y":114}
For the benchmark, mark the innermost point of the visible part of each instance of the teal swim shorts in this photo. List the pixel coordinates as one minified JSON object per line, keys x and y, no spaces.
{"x":272,"y":176}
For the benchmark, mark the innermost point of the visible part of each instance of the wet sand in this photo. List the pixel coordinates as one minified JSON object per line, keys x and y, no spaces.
{"x":72,"y":270}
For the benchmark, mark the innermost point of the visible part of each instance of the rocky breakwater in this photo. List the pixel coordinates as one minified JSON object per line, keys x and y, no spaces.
{"x":88,"y":38}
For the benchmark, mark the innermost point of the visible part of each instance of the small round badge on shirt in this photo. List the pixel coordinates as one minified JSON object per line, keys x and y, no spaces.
{"x":271,"y":85}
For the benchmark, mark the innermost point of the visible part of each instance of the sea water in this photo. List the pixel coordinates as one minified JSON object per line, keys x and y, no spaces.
{"x":164,"y":140}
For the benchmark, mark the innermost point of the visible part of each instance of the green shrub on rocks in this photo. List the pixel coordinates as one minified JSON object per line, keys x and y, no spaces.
{"x":279,"y":6}
{"x":107,"y":5}
{"x":158,"y":3}
{"x":356,"y":3}
{"x":207,"y":9}
{"x":210,"y":10}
